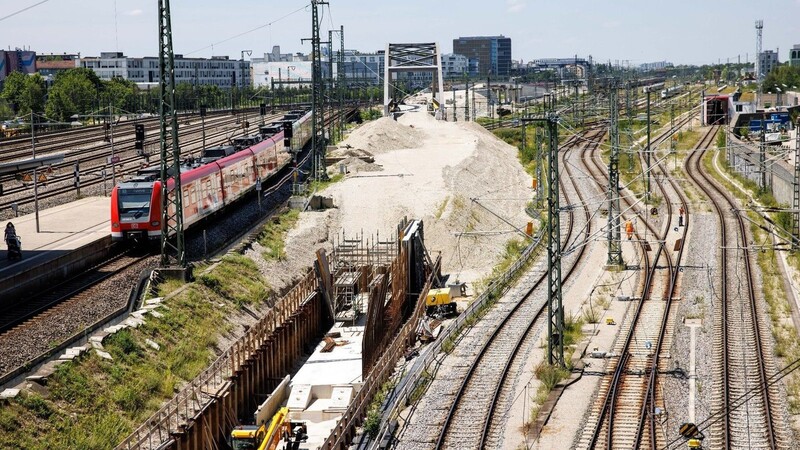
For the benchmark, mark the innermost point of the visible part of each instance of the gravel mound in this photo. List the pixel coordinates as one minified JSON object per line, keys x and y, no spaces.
{"x":456,"y":177}
{"x":383,"y":135}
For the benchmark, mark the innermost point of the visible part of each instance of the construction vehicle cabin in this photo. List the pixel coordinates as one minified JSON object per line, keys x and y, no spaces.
{"x":440,"y":301}
{"x":267,"y":435}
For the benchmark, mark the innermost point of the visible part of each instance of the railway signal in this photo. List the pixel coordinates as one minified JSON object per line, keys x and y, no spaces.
{"x":77,"y":182}
{"x":139,"y":142}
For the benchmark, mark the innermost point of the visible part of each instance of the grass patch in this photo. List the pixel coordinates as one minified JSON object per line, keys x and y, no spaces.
{"x":440,"y":208}
{"x":168,"y":286}
{"x":319,"y":185}
{"x":94,"y":403}
{"x":372,"y":423}
{"x":237,"y":279}
{"x":273,"y":236}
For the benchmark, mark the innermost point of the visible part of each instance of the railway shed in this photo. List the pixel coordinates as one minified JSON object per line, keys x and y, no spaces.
{"x":715,"y":109}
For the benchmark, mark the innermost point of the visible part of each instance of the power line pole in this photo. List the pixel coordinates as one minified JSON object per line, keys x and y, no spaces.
{"x":759,"y":69}
{"x":796,"y":199}
{"x":317,"y":96}
{"x":466,"y":99}
{"x":647,"y":151}
{"x":172,"y":248}
{"x":555,"y":311}
{"x":489,"y":95}
{"x":762,"y":153}
{"x":629,"y":133}
{"x":341,"y":83}
{"x":537,"y":156}
{"x":614,"y":243}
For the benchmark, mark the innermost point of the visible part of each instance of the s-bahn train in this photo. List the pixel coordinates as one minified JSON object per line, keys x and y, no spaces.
{"x":220,"y":177}
{"x":671,"y":92}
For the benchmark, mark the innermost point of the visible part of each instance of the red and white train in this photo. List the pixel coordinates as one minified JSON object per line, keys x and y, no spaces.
{"x":222,"y":176}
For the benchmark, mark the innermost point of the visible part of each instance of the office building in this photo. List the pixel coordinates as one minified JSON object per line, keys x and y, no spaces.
{"x":493,"y":53}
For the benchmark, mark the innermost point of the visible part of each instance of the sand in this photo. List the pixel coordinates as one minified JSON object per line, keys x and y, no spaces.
{"x":450,"y":175}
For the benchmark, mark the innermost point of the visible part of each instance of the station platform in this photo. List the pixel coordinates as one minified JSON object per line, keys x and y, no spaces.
{"x":71,"y":237}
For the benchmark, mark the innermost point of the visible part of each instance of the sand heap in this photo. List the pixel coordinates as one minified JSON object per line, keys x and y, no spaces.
{"x":383,"y":135}
{"x":450,"y":175}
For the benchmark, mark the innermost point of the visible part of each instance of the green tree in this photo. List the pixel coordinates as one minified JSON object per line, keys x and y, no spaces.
{"x":74,"y":91}
{"x":121,"y":92}
{"x":780,"y":76}
{"x":185,"y":96}
{"x":24,"y":93}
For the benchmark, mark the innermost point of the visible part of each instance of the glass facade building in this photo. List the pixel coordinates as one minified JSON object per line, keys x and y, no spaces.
{"x":493,"y":53}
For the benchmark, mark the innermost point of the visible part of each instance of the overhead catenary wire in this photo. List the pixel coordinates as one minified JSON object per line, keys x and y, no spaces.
{"x":22,"y":10}
{"x":268,"y":24}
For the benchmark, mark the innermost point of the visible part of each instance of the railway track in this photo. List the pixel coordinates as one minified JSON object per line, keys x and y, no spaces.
{"x":93,"y":160}
{"x":624,"y":415}
{"x":60,"y":185}
{"x":75,"y":288}
{"x":479,"y":422}
{"x":742,"y":367}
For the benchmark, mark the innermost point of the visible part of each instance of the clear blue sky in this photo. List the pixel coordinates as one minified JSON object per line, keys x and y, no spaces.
{"x":680,"y":31}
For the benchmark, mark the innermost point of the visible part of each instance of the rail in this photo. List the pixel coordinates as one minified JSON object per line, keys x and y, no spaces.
{"x":398,"y":397}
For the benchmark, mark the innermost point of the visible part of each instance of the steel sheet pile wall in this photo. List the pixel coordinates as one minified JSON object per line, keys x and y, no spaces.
{"x":207,"y":409}
{"x":344,"y":431}
{"x":373,"y":327}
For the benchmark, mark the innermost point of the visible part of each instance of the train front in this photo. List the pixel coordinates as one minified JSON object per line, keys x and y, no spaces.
{"x":135,"y":211}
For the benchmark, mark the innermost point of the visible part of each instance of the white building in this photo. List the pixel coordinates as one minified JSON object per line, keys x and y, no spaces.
{"x":454,"y":65}
{"x":218,"y":71}
{"x":265,"y":72}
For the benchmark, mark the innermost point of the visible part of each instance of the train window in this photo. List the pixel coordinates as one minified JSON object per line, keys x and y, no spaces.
{"x":134,"y":201}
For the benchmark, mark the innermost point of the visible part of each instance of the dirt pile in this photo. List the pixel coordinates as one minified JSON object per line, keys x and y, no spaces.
{"x":383,"y":135}
{"x":456,"y":177}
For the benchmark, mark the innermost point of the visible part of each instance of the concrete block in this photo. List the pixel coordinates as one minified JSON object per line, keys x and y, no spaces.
{"x":300,"y":397}
{"x":154,"y":301}
{"x":133,"y":322}
{"x":104,"y":355}
{"x":152,"y":344}
{"x":8,"y":394}
{"x":98,"y":337}
{"x":340,"y":397}
{"x":114,"y":328}
{"x":156,"y":314}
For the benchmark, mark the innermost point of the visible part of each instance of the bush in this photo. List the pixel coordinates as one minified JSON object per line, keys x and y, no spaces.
{"x":371,"y":114}
{"x":550,"y":375}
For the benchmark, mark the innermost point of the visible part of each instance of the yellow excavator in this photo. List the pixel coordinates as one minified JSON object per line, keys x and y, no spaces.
{"x":269,"y":435}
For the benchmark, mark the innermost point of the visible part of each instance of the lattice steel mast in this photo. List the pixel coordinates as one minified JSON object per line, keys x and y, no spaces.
{"x":317,"y":95}
{"x":341,"y":82}
{"x":172,"y":248}
{"x":614,"y":244}
{"x":555,"y":310}
{"x":796,"y":199}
